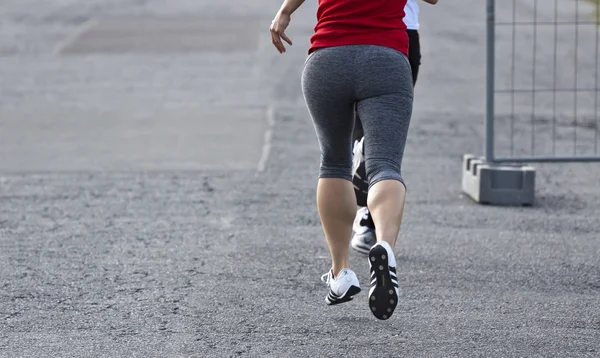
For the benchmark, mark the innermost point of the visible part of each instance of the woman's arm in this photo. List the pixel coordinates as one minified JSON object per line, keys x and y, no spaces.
{"x":281,"y":22}
{"x":289,"y":6}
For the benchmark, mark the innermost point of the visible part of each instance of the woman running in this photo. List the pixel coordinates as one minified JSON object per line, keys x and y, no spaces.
{"x":364,"y":228}
{"x":358,"y":55}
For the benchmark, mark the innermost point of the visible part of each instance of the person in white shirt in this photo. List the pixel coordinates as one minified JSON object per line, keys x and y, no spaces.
{"x":364,"y":228}
{"x":411,"y":20}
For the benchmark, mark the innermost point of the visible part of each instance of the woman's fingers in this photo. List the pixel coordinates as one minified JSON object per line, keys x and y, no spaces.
{"x":277,"y":42}
{"x":278,"y":33}
{"x":285,"y":38}
{"x":276,"y":39}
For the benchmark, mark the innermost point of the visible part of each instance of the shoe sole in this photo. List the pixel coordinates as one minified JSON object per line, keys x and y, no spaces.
{"x":348,"y":296}
{"x":382,"y":298}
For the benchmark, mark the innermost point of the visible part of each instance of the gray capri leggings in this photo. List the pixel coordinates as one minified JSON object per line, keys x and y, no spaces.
{"x":379,"y":80}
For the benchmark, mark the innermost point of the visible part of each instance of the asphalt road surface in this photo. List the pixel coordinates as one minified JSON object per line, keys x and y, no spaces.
{"x":157,"y":183}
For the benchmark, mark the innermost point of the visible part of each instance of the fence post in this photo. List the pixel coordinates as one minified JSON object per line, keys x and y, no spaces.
{"x":490,"y":67}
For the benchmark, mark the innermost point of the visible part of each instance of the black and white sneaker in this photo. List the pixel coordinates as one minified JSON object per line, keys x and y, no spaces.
{"x":363,"y":237}
{"x":383,"y":296}
{"x":341,"y":288}
{"x":359,"y":173}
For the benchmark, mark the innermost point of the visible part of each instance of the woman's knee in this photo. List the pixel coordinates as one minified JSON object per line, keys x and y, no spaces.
{"x":383,"y":169}
{"x":330,"y":171}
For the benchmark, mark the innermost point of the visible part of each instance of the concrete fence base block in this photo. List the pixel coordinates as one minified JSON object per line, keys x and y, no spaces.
{"x":497,"y":184}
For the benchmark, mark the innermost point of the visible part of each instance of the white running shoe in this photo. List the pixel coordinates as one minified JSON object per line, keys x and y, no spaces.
{"x":341,"y":288}
{"x":384,"y":294}
{"x":363,"y":237}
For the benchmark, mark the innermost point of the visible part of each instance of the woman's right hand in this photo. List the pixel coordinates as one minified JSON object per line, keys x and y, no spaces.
{"x":278,"y":26}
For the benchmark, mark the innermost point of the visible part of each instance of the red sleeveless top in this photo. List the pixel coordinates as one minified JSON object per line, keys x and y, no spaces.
{"x":360,"y":22}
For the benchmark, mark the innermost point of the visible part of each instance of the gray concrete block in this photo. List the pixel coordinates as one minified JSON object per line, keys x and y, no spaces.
{"x":498,"y":184}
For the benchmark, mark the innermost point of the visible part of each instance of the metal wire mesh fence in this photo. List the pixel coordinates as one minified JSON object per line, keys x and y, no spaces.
{"x":543,"y":81}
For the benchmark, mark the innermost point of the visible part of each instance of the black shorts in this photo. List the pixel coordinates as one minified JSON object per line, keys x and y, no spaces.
{"x":414,"y":57}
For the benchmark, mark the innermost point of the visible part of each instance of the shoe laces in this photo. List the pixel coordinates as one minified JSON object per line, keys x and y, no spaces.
{"x":326,"y":277}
